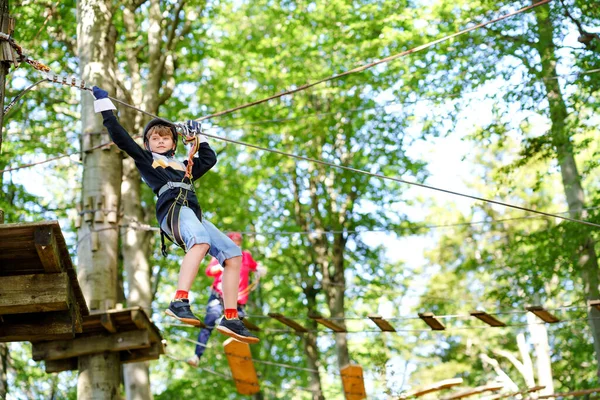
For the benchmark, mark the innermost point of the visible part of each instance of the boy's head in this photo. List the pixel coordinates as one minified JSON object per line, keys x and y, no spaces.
{"x":236,"y":237}
{"x":160,"y":136}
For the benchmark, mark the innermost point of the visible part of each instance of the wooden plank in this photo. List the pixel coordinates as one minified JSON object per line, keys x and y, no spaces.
{"x":25,"y":232}
{"x":107,"y":323}
{"x":151,"y":353}
{"x":85,"y":345}
{"x":474,"y":391}
{"x":435,"y":387}
{"x":47,"y":249}
{"x":328,"y":323}
{"x":250,"y":325}
{"x":241,"y":365}
{"x":353,"y":382}
{"x":68,"y":364}
{"x":286,"y":321}
{"x":487,"y":318}
{"x":543,"y":314}
{"x":384,"y":325}
{"x":434,"y":323}
{"x":55,"y":325}
{"x":23,"y":294}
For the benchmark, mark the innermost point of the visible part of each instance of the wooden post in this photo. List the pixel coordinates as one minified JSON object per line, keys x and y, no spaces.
{"x":6,"y":59}
{"x":3,"y":346}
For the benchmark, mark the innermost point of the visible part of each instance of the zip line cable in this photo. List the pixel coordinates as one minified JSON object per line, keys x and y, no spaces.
{"x":282,"y":120}
{"x":80,"y":84}
{"x":139,"y":226}
{"x":375,"y":63}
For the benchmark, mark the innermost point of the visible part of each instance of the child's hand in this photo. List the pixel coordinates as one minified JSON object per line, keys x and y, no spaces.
{"x":102,"y":102}
{"x":193,"y":127}
{"x":99,"y":93}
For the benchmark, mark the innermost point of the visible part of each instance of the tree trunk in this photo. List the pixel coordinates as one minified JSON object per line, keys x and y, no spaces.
{"x":543,"y":363}
{"x":3,"y":350}
{"x":527,"y":373}
{"x":587,"y":261}
{"x":101,"y":189}
{"x":310,"y":344}
{"x":335,"y":292}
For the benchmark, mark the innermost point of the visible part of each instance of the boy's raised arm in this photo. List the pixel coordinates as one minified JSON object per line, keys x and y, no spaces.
{"x":117,"y":133}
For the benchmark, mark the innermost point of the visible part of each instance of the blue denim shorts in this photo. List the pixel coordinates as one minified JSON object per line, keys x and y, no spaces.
{"x":195,"y":232}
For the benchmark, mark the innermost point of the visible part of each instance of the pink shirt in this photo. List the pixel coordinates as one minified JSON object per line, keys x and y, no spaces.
{"x":248,"y":264}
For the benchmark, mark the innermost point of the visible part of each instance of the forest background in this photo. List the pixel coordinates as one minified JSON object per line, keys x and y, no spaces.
{"x":506,"y":112}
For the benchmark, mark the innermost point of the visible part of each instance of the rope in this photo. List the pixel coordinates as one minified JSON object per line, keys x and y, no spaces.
{"x":20,"y":95}
{"x":81,"y":85}
{"x":139,"y":226}
{"x":375,"y":63}
{"x":378,"y":331}
{"x":282,"y":119}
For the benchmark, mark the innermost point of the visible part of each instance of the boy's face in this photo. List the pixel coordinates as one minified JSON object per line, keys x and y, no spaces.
{"x":160,"y":143}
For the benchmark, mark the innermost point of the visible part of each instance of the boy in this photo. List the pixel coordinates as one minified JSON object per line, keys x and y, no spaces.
{"x":178,"y":212}
{"x":214,"y":308}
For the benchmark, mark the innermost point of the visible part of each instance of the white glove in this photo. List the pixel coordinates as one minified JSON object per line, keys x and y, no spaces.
{"x":261,"y":271}
{"x":102,"y":102}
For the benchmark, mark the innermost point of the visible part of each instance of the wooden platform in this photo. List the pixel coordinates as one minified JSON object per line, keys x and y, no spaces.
{"x":127,"y":331}
{"x":40,"y":297}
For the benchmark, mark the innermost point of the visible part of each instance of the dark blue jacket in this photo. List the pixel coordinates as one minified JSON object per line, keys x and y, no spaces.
{"x":155,"y":173}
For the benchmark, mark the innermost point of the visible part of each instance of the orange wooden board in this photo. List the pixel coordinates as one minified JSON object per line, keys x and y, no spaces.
{"x":242,"y":368}
{"x":353,"y":382}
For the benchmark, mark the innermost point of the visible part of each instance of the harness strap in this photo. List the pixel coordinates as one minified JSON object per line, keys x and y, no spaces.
{"x":172,"y":185}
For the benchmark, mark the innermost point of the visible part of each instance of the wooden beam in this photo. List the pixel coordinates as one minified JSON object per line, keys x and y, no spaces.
{"x":474,"y":391}
{"x":487,"y":318}
{"x":435,"y":387}
{"x":570,"y":394}
{"x":327,"y":323}
{"x":384,"y":325}
{"x":241,"y":365}
{"x":353,"y":382}
{"x":434,"y":323}
{"x":250,"y":325}
{"x":47,"y":249}
{"x":55,"y":325}
{"x":85,"y":345}
{"x":107,"y":323}
{"x":286,"y":321}
{"x":543,"y":314}
{"x":25,"y":294}
{"x":68,"y":364}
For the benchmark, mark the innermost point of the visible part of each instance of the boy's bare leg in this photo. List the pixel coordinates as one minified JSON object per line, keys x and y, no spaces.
{"x":190,"y":265}
{"x":231,"y":326}
{"x":231,"y":282}
{"x":180,"y":306}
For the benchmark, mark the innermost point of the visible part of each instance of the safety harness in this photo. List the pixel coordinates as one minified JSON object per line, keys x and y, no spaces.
{"x":184,"y":186}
